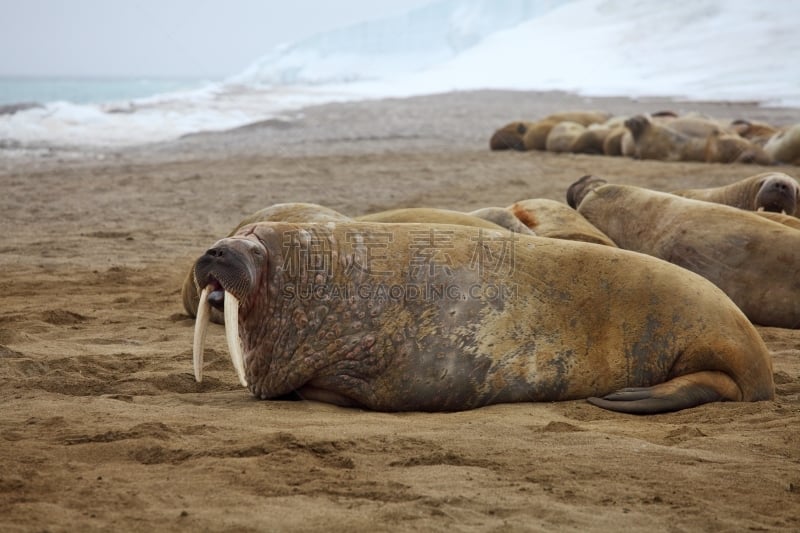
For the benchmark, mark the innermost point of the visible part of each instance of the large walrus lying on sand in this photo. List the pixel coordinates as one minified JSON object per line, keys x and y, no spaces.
{"x":754,"y":260}
{"x":376,"y":316}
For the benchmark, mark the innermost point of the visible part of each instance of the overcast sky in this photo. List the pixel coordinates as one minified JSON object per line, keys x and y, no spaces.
{"x":168,"y":38}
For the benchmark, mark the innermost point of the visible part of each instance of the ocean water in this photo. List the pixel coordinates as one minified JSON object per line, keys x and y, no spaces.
{"x":92,"y":90}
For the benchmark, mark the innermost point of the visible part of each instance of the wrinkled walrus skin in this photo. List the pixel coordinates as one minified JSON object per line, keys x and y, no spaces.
{"x":554,"y":320}
{"x":306,"y":212}
{"x":754,"y":260}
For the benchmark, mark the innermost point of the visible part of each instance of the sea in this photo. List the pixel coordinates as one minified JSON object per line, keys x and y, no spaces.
{"x":89,"y":90}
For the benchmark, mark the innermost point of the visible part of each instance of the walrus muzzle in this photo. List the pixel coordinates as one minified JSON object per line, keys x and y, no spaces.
{"x":777,"y":195}
{"x":227,"y":273}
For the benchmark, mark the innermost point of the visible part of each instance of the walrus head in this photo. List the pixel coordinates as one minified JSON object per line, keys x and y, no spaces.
{"x":578,"y":190}
{"x":509,"y":137}
{"x":228,"y":272}
{"x":637,"y":125}
{"x":778,"y":193}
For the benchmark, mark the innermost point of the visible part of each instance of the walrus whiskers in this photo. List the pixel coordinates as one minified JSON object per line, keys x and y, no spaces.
{"x":200,"y":330}
{"x":232,"y":335}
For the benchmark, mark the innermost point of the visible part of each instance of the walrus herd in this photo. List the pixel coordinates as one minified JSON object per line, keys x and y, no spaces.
{"x":664,"y":136}
{"x":639,"y":301}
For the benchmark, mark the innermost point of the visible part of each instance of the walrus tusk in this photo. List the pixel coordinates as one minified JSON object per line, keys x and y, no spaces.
{"x":200,"y":329}
{"x":232,"y":335}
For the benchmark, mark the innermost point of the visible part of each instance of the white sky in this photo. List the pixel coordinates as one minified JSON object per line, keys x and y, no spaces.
{"x":169,"y":38}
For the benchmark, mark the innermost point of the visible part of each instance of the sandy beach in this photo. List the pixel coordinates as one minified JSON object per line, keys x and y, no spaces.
{"x":103,"y":427}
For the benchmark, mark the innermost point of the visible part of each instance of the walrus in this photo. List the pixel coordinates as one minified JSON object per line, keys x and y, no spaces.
{"x":612,"y":144}
{"x":781,"y":218}
{"x":752,"y":259}
{"x":627,"y":144}
{"x":535,"y":137}
{"x":563,"y":136}
{"x":655,"y":141}
{"x":731,"y":148}
{"x":549,"y":218}
{"x":374,"y":316}
{"x":440,"y":216}
{"x":661,"y":142}
{"x":784,"y":146}
{"x":756,"y":132}
{"x":509,"y":137}
{"x":693,"y":125}
{"x":592,"y":139}
{"x":770,"y":191}
{"x":284,"y":212}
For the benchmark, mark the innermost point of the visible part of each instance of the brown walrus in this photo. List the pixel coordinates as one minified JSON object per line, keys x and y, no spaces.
{"x":563,"y":136}
{"x":693,"y":125}
{"x":655,"y":141}
{"x":756,"y":132}
{"x":784,"y":146}
{"x":509,"y":137}
{"x":661,"y":142}
{"x":548,"y":218}
{"x":627,"y":144}
{"x":612,"y":144}
{"x":285,"y":212}
{"x":770,"y":191}
{"x":754,"y":260}
{"x":376,"y":316}
{"x":787,"y":220}
{"x":536,"y":136}
{"x":731,"y":148}
{"x":592,"y":139}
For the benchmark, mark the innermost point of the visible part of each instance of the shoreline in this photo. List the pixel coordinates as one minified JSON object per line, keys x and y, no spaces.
{"x":505,"y":106}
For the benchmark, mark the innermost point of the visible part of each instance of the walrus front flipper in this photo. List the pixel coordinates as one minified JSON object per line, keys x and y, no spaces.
{"x":676,"y":394}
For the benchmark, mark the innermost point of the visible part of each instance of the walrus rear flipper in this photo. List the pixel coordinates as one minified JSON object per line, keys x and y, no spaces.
{"x":679,"y":393}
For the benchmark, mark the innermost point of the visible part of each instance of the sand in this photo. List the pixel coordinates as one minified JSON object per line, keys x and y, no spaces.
{"x":104,"y":429}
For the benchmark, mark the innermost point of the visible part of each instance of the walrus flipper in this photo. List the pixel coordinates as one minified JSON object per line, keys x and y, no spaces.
{"x":678,"y":393}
